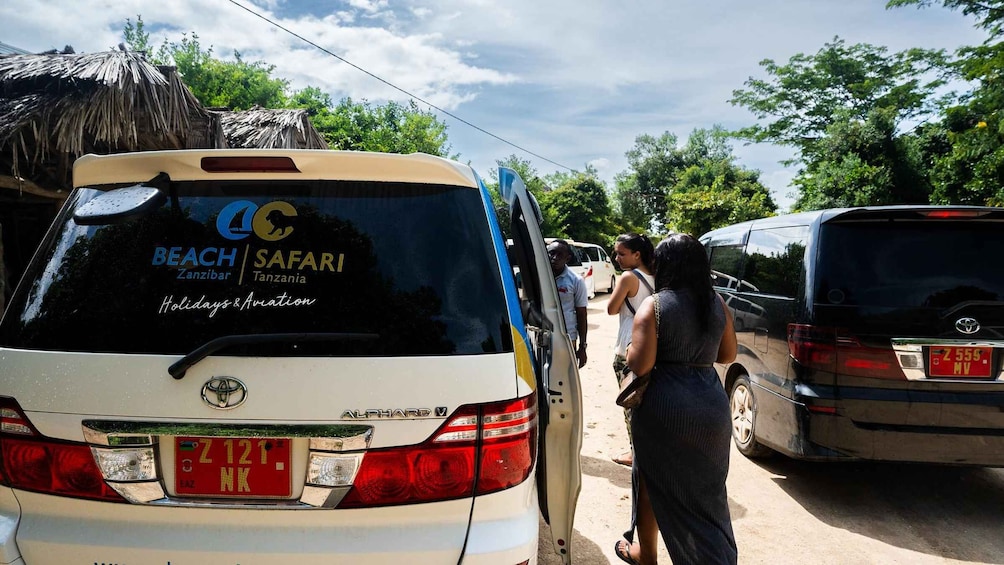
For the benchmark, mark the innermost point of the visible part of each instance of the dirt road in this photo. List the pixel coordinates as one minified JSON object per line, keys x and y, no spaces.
{"x":791,"y":512}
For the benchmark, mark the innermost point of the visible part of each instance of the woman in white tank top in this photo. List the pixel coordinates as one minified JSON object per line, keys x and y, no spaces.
{"x":633,"y":252}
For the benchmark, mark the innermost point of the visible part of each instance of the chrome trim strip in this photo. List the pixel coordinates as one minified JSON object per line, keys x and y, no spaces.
{"x":914,"y":347}
{"x":129,"y":433}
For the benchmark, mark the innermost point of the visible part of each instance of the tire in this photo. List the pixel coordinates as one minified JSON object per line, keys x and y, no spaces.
{"x":613,"y":281}
{"x":742,"y":406}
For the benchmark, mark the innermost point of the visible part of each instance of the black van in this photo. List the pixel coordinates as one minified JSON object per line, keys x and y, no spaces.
{"x":867,"y":333}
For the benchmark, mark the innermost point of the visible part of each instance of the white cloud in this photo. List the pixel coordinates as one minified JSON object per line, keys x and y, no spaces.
{"x":572,"y":81}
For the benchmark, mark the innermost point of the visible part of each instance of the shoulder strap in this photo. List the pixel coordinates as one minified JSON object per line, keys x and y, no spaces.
{"x":641,"y":278}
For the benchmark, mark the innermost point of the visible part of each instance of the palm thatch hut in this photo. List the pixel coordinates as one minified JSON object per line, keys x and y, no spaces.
{"x":271,"y":129}
{"x":55,"y":107}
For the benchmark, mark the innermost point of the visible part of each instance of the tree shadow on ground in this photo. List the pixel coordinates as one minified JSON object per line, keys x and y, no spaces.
{"x":936,"y":510}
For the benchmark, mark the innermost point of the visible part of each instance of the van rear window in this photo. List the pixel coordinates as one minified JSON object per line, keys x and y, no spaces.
{"x":910,"y":263}
{"x":413,"y":265}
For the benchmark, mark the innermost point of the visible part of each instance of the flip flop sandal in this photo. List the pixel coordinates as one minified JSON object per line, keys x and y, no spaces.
{"x":625,"y":459}
{"x":622,"y":549}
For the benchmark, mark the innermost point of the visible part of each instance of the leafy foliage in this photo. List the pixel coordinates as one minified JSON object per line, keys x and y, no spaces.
{"x":578,"y":209}
{"x":693,"y":188}
{"x":864,"y":163}
{"x":967,"y":148}
{"x":808,"y":94}
{"x":842,"y":109}
{"x":361,"y":126}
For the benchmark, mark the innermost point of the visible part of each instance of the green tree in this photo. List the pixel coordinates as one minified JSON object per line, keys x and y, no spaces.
{"x":135,"y":36}
{"x":967,"y":156}
{"x":713,"y":191}
{"x":526,"y":172}
{"x":692,"y":188}
{"x":361,"y":126}
{"x":237,"y":84}
{"x":654,"y":165}
{"x":863,"y":163}
{"x":578,"y":209}
{"x":627,"y":204}
{"x":804,"y":97}
{"x":842,"y":109}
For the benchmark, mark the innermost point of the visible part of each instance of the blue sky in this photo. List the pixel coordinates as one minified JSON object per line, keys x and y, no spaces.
{"x":572,"y":81}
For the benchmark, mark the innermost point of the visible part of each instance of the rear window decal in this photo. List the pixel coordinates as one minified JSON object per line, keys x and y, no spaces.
{"x":238,"y":220}
{"x":270,"y":222}
{"x":185,"y":303}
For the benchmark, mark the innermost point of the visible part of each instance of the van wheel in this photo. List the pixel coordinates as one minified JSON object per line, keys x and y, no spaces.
{"x":743,"y":408}
{"x":613,"y":281}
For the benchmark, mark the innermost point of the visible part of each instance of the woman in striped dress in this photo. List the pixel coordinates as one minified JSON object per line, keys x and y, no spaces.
{"x":681,"y":430}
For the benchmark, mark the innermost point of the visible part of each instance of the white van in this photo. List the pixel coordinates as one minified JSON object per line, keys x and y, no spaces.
{"x":234,"y":356}
{"x":601,"y":267}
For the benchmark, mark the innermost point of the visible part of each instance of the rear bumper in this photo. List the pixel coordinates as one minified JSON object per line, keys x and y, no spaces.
{"x":56,"y":530}
{"x":904,"y":443}
{"x":892,"y":425}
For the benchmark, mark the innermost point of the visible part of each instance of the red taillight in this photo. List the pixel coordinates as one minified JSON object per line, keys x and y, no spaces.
{"x":509,"y":444}
{"x":955,"y":213}
{"x":249,"y":165}
{"x":833,"y":350}
{"x":445,"y":466}
{"x":589,"y":271}
{"x":34,"y":462}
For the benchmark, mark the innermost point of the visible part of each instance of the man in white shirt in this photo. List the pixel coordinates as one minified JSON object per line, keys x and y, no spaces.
{"x":572,"y":292}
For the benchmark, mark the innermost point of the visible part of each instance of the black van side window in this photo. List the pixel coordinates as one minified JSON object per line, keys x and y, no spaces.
{"x":725,"y":263}
{"x":774,"y":261}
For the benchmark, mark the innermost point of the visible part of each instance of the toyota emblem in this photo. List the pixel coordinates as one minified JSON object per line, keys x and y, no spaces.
{"x":224,"y":393}
{"x":967,"y":326}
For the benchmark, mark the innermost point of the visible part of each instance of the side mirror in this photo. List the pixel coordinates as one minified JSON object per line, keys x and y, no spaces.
{"x":120,"y":205}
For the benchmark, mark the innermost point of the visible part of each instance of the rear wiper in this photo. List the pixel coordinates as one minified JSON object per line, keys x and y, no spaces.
{"x":181,"y":366}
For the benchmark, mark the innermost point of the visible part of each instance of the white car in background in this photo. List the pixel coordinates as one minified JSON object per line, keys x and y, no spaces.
{"x":602,"y":273}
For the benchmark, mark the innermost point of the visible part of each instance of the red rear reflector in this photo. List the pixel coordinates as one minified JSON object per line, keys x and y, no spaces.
{"x":955,"y":213}
{"x":822,"y":409}
{"x":249,"y":165}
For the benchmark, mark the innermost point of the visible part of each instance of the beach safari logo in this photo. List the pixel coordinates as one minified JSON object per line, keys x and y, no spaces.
{"x":271,"y":222}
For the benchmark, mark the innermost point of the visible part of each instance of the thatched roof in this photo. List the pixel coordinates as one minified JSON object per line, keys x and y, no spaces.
{"x":271,"y":129}
{"x":56,"y":107}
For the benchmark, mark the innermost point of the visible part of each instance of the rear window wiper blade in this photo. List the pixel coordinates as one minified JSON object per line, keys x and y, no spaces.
{"x":181,"y":366}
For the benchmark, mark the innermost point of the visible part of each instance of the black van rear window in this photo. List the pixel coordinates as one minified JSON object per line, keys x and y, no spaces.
{"x":413,"y":264}
{"x":935,"y":264}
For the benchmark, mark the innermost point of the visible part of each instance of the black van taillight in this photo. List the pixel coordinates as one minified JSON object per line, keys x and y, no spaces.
{"x":837,"y":351}
{"x":479,"y":450}
{"x":37,"y":463}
